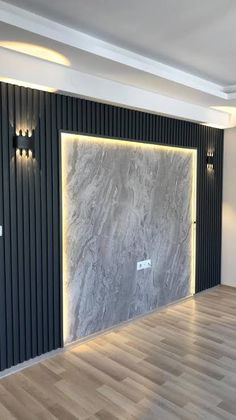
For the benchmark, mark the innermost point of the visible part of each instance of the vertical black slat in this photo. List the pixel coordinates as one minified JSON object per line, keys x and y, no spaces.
{"x":59,"y":124}
{"x":167,"y":132}
{"x":13,"y":216}
{"x":200,"y":221}
{"x":205,"y":217}
{"x":79,"y":116}
{"x":177,"y":132}
{"x":112,"y":127}
{"x":114,"y":119}
{"x":42,"y":142}
{"x":98,"y":119}
{"x":165,"y":138}
{"x":173,"y":131}
{"x":142,"y":126}
{"x":217,"y":210}
{"x":154,"y":119}
{"x":203,"y":206}
{"x":74,"y":113}
{"x":7,"y":225}
{"x":118,"y":122}
{"x":156,"y":129}
{"x":26,"y":234}
{"x":69,"y":114}
{"x":32,"y":241}
{"x":3,"y":346}
{"x":205,"y":212}
{"x":20,"y":246}
{"x":126,"y":123}
{"x":216,"y":214}
{"x":213,"y":214}
{"x":26,"y":261}
{"x":49,"y":238}
{"x":136,"y":125}
{"x":106,"y":120}
{"x":83,"y":114}
{"x":55,"y":223}
{"x":20,"y":237}
{"x":89,"y":117}
{"x":149,"y":127}
{"x":147,"y":133}
{"x":200,"y":237}
{"x":38,"y":232}
{"x":209,"y":216}
{"x":94,"y":119}
{"x":133,"y":125}
{"x":160,"y":126}
{"x":122,"y":122}
{"x":31,"y":225}
{"x":196,"y":135}
{"x":101,"y":116}
{"x":64,"y":113}
{"x":220,"y":140}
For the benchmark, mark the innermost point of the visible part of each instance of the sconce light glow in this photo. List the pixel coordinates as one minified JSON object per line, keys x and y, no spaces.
{"x":36,"y":51}
{"x":210,"y":161}
{"x":27,"y":84}
{"x":24,"y":144}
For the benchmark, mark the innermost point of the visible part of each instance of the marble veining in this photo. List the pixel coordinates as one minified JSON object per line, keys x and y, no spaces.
{"x":123,"y":203}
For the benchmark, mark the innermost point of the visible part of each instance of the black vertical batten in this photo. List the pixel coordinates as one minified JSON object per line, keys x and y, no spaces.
{"x":30,"y":270}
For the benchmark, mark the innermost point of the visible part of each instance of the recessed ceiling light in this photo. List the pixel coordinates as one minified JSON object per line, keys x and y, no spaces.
{"x":36,"y":51}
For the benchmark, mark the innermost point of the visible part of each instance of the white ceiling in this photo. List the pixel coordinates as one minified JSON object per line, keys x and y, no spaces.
{"x":195,"y":36}
{"x":183,"y":49}
{"x":109,"y":69}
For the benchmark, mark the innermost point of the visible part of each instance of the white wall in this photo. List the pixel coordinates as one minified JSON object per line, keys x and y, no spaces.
{"x":229,"y":210}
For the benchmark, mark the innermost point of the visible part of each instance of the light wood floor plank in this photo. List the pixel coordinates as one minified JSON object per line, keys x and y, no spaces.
{"x":178,"y":363}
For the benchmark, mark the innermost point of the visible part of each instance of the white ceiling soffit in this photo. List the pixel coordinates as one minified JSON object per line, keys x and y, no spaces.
{"x":157,"y":103}
{"x":37,"y":72}
{"x":37,"y":24}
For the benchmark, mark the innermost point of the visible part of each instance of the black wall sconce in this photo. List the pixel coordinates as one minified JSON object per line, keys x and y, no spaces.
{"x":210,"y":161}
{"x":24,"y":143}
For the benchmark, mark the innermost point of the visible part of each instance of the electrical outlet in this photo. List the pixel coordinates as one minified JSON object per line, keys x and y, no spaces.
{"x":142,"y":265}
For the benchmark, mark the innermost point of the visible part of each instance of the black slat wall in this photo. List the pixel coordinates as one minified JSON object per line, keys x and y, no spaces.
{"x":30,"y":278}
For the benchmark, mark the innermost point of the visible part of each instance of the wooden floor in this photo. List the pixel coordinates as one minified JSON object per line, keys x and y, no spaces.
{"x":179,"y":363}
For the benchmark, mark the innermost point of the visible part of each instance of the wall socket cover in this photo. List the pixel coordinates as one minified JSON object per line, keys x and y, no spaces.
{"x":142,"y":265}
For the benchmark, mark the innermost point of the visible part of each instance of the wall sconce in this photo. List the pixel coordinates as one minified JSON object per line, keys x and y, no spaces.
{"x":24,"y":143}
{"x":210,"y":161}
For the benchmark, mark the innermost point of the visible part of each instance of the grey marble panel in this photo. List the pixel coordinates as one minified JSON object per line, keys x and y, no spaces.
{"x":123,"y":203}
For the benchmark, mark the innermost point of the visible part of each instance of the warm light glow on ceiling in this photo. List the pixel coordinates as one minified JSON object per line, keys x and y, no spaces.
{"x":221,"y":127}
{"x":27,"y":84}
{"x":228,"y":109}
{"x":36,"y":51}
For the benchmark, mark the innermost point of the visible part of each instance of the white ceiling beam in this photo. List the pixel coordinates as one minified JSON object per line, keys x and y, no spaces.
{"x":33,"y":70}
